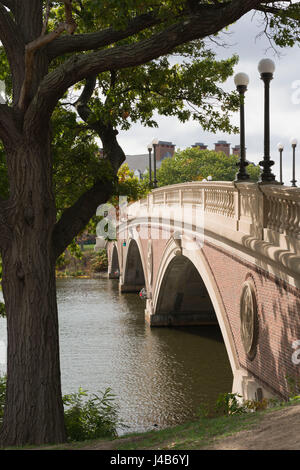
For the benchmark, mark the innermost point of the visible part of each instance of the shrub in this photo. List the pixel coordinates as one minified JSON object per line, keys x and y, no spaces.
{"x":229,"y":404}
{"x":92,"y":418}
{"x":100,"y":262}
{"x":293,"y":385}
{"x":254,"y":405}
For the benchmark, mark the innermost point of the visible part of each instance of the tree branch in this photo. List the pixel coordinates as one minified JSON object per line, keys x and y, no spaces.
{"x":14,"y":47}
{"x":92,"y":41}
{"x":79,"y":67}
{"x":108,"y":135}
{"x":78,"y":216}
{"x":270,"y":9}
{"x":69,"y":25}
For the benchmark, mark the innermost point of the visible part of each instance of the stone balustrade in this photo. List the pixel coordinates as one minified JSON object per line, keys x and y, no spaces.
{"x":272,"y":207}
{"x":261,"y":218}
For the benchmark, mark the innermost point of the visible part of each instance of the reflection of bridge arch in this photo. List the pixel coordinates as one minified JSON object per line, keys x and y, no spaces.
{"x":133,"y":275}
{"x":191,"y":272}
{"x":114,"y":265}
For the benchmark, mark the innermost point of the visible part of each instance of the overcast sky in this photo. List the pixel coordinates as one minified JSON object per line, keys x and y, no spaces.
{"x":285,"y":104}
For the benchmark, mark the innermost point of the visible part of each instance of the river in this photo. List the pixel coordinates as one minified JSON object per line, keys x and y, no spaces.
{"x":160,"y":376}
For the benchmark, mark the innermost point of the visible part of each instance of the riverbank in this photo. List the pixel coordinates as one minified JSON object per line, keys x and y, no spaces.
{"x":87,"y":264}
{"x":272,"y":429}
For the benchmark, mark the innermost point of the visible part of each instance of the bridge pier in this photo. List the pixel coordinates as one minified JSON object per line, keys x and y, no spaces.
{"x":249,"y":388}
{"x":130,"y":288}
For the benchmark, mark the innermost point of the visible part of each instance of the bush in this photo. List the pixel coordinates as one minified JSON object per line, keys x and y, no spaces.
{"x":229,"y":404}
{"x":93,"y":418}
{"x":100,"y":262}
{"x":90,"y":419}
{"x":293,"y":385}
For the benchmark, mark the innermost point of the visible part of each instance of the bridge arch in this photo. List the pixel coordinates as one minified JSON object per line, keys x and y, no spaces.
{"x":133,"y":279}
{"x":184,"y":255}
{"x":114,"y":263}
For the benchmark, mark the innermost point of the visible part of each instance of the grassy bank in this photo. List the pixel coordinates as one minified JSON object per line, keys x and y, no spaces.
{"x":188,"y":436}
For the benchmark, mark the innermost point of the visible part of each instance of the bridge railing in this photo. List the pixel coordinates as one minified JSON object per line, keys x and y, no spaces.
{"x":248,"y":208}
{"x":282,"y":210}
{"x":263,"y":219}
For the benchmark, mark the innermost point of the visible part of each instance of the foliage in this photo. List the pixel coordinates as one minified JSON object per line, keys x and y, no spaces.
{"x":86,"y":416}
{"x":193,"y":164}
{"x":255,"y":405}
{"x":100,"y":262}
{"x":293,"y":385}
{"x":2,"y":310}
{"x":229,"y":404}
{"x":129,"y":185}
{"x":92,"y":418}
{"x":188,"y":89}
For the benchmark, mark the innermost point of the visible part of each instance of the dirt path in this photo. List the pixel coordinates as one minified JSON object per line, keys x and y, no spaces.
{"x":279,"y":430}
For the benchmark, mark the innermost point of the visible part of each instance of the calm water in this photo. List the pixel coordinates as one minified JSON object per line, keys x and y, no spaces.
{"x":159,"y":375}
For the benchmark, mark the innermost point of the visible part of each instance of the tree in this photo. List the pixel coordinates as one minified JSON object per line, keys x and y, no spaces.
{"x":193,"y":164}
{"x":130,"y":186}
{"x":47,"y":57}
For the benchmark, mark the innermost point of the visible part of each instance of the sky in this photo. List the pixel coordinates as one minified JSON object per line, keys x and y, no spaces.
{"x":285,"y":103}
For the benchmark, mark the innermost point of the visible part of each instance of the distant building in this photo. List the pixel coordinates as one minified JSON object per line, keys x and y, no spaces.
{"x":222,"y":146}
{"x":140,"y":163}
{"x":200,"y":145}
{"x":164,"y":150}
{"x":236,"y":150}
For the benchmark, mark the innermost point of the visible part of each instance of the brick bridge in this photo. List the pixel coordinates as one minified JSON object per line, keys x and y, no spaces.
{"x":220,"y":253}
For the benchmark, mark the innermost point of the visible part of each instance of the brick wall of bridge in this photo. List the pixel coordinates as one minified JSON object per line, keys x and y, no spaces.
{"x":278,"y":312}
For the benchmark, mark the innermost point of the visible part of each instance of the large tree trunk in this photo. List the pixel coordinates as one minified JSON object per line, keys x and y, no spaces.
{"x":34,"y":410}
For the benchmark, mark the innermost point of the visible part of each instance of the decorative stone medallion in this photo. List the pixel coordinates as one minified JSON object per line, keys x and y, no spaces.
{"x":249,"y":320}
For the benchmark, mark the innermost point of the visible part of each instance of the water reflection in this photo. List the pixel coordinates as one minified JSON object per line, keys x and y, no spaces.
{"x":160,"y":375}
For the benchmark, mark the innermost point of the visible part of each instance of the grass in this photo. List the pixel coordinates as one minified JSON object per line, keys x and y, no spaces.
{"x":188,"y":436}
{"x":193,"y":435}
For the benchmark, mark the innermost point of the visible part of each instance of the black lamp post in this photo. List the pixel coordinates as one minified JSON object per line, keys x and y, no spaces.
{"x":242,"y":80}
{"x":150,"y":170}
{"x":266,"y":68}
{"x":294,"y":145}
{"x":280,"y":148}
{"x":154,"y":143}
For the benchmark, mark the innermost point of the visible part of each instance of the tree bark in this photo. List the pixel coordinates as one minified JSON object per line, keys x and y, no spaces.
{"x":34,"y":410}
